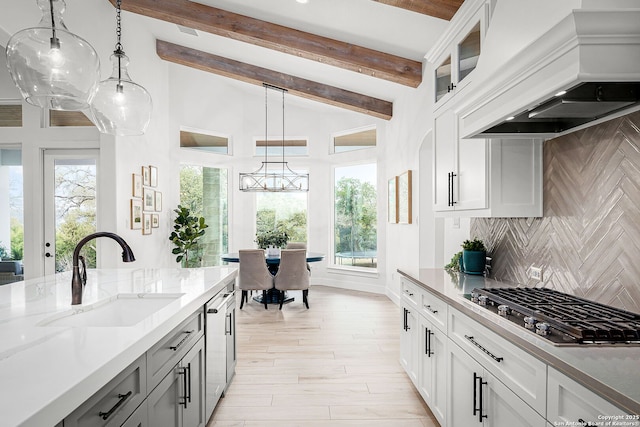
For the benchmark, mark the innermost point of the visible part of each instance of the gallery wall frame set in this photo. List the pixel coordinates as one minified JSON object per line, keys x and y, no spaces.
{"x":399,"y":198}
{"x":146,"y":202}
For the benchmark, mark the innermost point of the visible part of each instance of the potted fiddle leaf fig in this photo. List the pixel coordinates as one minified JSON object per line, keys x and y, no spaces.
{"x":187,"y":231}
{"x":474,"y":256}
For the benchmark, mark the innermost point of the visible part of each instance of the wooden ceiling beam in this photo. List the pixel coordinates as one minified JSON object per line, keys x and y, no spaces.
{"x":257,"y":75}
{"x":284,"y":39}
{"x":443,"y":9}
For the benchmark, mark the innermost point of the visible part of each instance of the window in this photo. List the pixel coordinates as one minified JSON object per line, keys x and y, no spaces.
{"x":355,"y":216}
{"x":292,"y":147}
{"x":354,"y":140}
{"x":204,"y":191}
{"x":205,"y":142}
{"x":11,"y":116}
{"x":68,"y":118}
{"x":11,"y":219}
{"x":283,"y":211}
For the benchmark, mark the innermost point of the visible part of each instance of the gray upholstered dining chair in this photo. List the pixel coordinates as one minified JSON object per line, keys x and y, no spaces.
{"x":253,"y":274}
{"x":292,"y":274}
{"x":299,"y":245}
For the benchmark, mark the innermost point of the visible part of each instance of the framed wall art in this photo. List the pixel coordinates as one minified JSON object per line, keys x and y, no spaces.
{"x":392,"y":204}
{"x":155,"y":221}
{"x":158,"y":201}
{"x":146,"y":176}
{"x":148,"y":199}
{"x":136,"y":183}
{"x":153,"y":176}
{"x":404,"y":198}
{"x":136,"y":214}
{"x":146,"y":223}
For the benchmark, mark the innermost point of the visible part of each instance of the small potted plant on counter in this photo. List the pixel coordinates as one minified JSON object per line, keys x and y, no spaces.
{"x":474,"y":256}
{"x":272,"y":241}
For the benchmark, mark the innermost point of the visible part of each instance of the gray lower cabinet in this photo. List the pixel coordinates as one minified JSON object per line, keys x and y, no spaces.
{"x":178,"y":400}
{"x":115,"y":402}
{"x":138,"y":418}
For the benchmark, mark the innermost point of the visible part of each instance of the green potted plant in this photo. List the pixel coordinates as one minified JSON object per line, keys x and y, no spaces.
{"x":474,"y":256}
{"x":187,"y":231}
{"x":456,"y":263}
{"x":272,"y":241}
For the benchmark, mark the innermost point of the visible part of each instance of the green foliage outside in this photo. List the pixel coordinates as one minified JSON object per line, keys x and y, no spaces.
{"x":283,"y":213}
{"x":17,"y":239}
{"x":274,"y":238}
{"x":356,"y":216}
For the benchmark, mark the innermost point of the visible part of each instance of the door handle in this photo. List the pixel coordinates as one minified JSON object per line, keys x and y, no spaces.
{"x":453,"y":202}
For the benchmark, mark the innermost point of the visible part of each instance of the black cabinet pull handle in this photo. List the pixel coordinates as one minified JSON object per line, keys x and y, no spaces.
{"x":177,"y":346}
{"x":428,"y":334}
{"x":406,"y":316}
{"x":449,"y":189}
{"x":121,"y":400}
{"x":480,"y":416}
{"x":493,"y":356}
{"x":183,"y":372}
{"x":428,"y":307}
{"x":406,"y":321}
{"x":188,"y":375}
{"x":475,"y":393}
{"x":453,"y":202}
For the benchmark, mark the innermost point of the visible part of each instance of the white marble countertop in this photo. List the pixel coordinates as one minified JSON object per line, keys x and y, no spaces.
{"x":610,"y":371}
{"x":48,"y":371}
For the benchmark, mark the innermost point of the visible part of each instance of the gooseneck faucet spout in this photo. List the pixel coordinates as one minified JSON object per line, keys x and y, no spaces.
{"x":78,"y":281}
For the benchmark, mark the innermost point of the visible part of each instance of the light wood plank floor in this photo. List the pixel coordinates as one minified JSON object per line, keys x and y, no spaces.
{"x":334,"y":365}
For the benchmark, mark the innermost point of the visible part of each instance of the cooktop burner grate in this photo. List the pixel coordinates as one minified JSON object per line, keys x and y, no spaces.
{"x":572,"y":320}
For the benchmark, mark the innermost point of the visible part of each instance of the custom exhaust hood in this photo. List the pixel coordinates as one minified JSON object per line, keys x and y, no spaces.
{"x":585,"y":70}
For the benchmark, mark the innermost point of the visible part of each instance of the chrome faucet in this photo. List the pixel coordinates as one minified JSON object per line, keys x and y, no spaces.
{"x":78,"y":281}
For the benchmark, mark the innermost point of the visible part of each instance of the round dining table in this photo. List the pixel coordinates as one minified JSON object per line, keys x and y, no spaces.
{"x":272,"y":264}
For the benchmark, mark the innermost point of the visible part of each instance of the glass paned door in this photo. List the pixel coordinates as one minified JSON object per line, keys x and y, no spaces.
{"x":70,"y":196}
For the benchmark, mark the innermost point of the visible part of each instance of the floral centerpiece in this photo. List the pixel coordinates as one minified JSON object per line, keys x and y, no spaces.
{"x":272,"y":241}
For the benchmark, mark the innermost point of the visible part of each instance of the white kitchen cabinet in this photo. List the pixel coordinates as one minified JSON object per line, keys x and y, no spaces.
{"x":409,"y":343}
{"x":432,"y":369}
{"x":476,"y":397}
{"x":569,"y":403}
{"x":178,"y":400}
{"x":485,"y":177}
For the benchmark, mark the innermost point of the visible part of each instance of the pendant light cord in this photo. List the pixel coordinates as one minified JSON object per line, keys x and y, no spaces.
{"x":118,"y":52}
{"x":283,"y":90}
{"x":55,"y":43}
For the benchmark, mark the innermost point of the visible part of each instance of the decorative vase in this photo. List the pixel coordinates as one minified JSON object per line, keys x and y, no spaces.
{"x":473,"y":262}
{"x":272,"y":251}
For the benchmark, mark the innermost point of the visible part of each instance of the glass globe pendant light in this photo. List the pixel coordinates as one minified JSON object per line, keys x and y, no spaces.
{"x":52,"y":67}
{"x":121,"y":107}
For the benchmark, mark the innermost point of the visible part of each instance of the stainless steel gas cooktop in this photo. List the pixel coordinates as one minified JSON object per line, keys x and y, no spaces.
{"x":561,"y":318}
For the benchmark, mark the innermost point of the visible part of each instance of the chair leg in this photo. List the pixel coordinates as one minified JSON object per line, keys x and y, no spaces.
{"x":242,"y":297}
{"x":281,"y":298}
{"x":305,"y":299}
{"x":264,"y":299}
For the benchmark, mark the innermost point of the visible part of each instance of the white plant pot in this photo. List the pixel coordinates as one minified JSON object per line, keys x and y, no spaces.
{"x":272,"y":251}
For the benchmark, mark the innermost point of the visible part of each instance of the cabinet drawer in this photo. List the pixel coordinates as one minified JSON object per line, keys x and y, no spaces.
{"x":138,"y":418}
{"x":569,"y":402}
{"x":410,"y":293}
{"x":115,"y":402}
{"x":522,"y":373}
{"x":163,"y":356}
{"x":434,"y":309}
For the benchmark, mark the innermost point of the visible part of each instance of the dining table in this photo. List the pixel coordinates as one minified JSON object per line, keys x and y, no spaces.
{"x":272,"y":261}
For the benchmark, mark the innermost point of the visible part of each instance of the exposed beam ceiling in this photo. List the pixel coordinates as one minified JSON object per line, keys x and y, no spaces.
{"x":284,"y":39}
{"x":257,"y":75}
{"x":444,"y":9}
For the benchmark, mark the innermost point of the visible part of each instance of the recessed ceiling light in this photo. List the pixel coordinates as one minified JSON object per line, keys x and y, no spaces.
{"x":510,"y":118}
{"x":303,"y":1}
{"x":562,"y":92}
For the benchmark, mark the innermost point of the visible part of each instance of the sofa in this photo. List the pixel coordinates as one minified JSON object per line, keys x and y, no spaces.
{"x":11,"y":271}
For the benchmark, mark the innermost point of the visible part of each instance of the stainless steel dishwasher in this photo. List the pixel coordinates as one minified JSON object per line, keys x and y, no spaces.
{"x":219,"y":346}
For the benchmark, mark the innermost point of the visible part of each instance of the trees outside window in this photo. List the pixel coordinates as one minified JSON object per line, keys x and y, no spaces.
{"x":282,"y":212}
{"x":204,"y":191}
{"x":355,"y":216}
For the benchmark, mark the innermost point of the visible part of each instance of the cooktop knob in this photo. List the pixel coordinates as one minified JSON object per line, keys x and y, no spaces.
{"x":504,"y":310}
{"x":543,"y":329}
{"x":530,"y":322}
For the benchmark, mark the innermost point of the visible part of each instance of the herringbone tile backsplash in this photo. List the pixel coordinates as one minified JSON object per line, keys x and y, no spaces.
{"x":588,"y":242}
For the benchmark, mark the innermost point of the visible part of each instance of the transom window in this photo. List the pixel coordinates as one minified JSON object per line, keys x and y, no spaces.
{"x":355,"y":139}
{"x":205,"y":142}
{"x":292,"y":147}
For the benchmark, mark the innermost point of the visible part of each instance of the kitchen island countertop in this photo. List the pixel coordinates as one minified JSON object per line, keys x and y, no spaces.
{"x":47,"y":371}
{"x":612,"y":371}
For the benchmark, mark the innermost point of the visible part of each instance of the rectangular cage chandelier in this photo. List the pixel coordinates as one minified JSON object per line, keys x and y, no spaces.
{"x":273,"y":176}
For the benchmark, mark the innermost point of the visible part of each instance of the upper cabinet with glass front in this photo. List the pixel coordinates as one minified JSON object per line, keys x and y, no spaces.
{"x":456,"y":55}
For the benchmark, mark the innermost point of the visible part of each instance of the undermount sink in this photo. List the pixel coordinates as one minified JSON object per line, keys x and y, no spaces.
{"x":119,"y":310}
